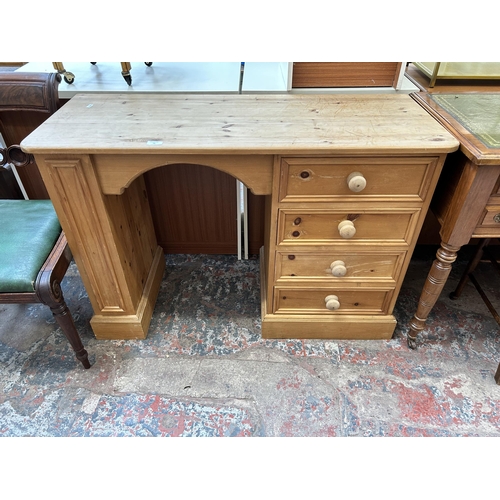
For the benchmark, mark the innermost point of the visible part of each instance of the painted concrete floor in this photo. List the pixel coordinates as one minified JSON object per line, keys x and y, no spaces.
{"x":204,"y":370}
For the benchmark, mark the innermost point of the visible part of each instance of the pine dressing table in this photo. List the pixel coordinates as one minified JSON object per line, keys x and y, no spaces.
{"x":347,"y":180}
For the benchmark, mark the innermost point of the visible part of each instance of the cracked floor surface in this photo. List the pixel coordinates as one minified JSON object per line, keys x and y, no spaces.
{"x":204,"y":369}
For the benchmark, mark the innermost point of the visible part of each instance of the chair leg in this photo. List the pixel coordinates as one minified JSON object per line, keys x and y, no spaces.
{"x":51,"y":295}
{"x":63,"y":317}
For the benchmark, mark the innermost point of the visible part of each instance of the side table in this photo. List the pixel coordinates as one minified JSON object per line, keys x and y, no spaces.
{"x":467,"y":198}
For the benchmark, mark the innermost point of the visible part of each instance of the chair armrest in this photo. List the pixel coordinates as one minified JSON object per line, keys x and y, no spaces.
{"x":29,"y":91}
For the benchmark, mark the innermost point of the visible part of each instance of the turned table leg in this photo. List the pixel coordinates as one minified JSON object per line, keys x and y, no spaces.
{"x":433,"y":287}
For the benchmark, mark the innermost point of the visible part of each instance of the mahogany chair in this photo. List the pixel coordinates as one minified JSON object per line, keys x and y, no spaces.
{"x":26,"y":101}
{"x":34,"y":253}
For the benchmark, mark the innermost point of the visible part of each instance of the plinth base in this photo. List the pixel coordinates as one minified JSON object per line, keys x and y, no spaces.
{"x":133,"y":326}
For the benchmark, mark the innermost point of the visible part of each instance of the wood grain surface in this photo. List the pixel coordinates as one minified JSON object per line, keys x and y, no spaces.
{"x":219,"y":124}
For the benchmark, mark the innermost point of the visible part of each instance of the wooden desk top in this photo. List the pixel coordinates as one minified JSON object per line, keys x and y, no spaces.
{"x":473,"y":118}
{"x":240,"y":124}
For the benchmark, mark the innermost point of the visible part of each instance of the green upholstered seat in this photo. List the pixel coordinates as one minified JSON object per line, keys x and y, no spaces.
{"x":28,"y":232}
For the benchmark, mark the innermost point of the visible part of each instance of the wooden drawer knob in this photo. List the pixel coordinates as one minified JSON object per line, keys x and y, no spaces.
{"x":356,"y":182}
{"x":346,"y":229}
{"x":332,"y":302}
{"x":338,"y":268}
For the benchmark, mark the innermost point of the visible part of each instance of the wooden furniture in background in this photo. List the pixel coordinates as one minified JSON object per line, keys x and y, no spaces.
{"x":417,"y":78}
{"x":467,"y":198}
{"x":297,"y":151}
{"x":69,"y":77}
{"x":26,"y":101}
{"x":429,"y":235}
{"x":459,"y":71}
{"x":345,"y":74}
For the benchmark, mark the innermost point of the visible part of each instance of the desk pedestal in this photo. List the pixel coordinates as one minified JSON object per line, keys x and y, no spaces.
{"x":113,"y":243}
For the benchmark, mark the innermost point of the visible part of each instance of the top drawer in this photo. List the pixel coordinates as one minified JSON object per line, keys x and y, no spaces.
{"x":326,"y":179}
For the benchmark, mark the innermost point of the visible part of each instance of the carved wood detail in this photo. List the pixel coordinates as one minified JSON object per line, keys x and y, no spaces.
{"x":15,"y":155}
{"x":433,"y":287}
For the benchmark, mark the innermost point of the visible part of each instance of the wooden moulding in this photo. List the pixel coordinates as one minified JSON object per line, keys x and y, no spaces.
{"x":255,"y":171}
{"x":133,"y":326}
{"x":338,"y":327}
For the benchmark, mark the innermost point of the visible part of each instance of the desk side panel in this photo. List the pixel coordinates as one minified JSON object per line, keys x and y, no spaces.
{"x":111,"y":237}
{"x":130,"y":217}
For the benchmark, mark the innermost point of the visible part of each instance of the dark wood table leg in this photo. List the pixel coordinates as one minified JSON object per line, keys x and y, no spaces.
{"x":433,"y":287}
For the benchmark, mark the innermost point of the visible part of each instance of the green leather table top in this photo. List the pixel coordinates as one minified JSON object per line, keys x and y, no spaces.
{"x":28,"y":232}
{"x":479,"y":113}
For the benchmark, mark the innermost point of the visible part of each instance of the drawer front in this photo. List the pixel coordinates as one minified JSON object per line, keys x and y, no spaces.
{"x":349,"y":266}
{"x":312,"y":300}
{"x":326,"y":179}
{"x":489,"y":225}
{"x":321,"y":227}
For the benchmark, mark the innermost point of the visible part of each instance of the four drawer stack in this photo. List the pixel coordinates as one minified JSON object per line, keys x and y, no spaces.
{"x":345,"y":230}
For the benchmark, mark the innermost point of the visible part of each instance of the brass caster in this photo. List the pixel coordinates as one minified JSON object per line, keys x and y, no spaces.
{"x":128,"y":77}
{"x":69,"y":77}
{"x":412,"y":342}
